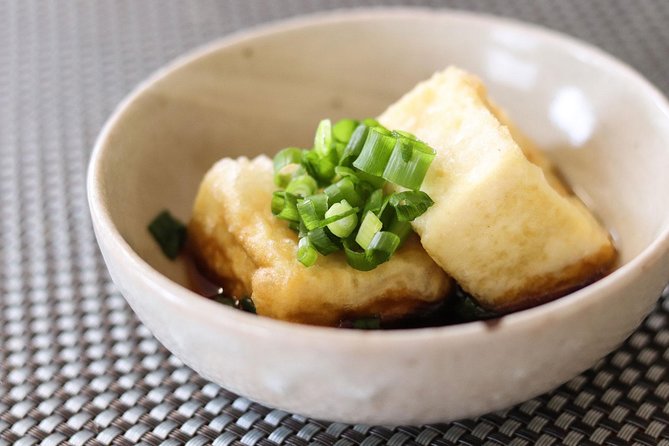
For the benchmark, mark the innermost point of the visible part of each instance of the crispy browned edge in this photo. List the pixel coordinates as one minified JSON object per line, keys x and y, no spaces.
{"x":389,"y":307}
{"x":545,"y":288}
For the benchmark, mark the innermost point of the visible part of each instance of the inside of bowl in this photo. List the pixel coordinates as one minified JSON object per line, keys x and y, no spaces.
{"x":257,"y":95}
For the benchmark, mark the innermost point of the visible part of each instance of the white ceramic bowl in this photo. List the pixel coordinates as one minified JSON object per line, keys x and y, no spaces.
{"x":259,"y":91}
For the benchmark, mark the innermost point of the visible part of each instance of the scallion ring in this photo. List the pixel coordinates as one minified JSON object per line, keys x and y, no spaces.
{"x":410,"y":204}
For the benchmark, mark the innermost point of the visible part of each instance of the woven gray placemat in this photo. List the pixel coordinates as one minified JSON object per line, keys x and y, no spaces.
{"x":76,"y":366}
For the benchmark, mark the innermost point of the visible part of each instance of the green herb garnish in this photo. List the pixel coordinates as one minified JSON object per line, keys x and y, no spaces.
{"x":367,"y":323}
{"x":246,"y":304}
{"x":466,"y":309}
{"x":169,"y":233}
{"x":333,"y":194}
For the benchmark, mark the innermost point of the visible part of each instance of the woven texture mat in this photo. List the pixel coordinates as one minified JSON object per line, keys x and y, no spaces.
{"x":76,"y":366}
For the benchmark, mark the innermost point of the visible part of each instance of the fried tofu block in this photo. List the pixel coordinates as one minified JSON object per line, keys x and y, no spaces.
{"x":237,"y":241}
{"x":503,"y":224}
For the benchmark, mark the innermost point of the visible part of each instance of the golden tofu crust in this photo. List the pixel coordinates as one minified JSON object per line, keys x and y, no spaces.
{"x":238,"y":243}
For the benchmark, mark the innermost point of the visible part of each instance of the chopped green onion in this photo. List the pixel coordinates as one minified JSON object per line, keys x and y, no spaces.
{"x":408,"y":163}
{"x":402,"y":229}
{"x":339,"y":150}
{"x":306,"y":254}
{"x":465,"y":308}
{"x":410,"y":204}
{"x":295,"y":226}
{"x":322,"y":242}
{"x":336,"y":217}
{"x":374,"y":202}
{"x":404,"y":147}
{"x":370,"y":226}
{"x":169,"y":233}
{"x":303,"y":185}
{"x":320,"y":168}
{"x":301,"y":230}
{"x":309,"y":213}
{"x":382,"y":130}
{"x":278,"y":201}
{"x":348,"y":191}
{"x":343,"y":189}
{"x":342,"y":228}
{"x":376,"y":182}
{"x":289,"y":211}
{"x":375,"y":153}
{"x":364,"y":190}
{"x":367,"y":323}
{"x":407,"y":135}
{"x":323,"y":138}
{"x":333,"y":195}
{"x":386,"y":213}
{"x":347,"y":172}
{"x":313,"y":212}
{"x":357,"y":259}
{"x":284,"y":164}
{"x":320,"y":202}
{"x":343,"y":129}
{"x":354,"y":146}
{"x":246,"y":304}
{"x":382,"y":247}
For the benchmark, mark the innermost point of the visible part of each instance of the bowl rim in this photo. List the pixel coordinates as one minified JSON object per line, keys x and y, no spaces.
{"x":248,"y":324}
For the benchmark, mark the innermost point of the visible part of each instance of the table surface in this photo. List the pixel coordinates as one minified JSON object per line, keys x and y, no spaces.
{"x":77,"y":367}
